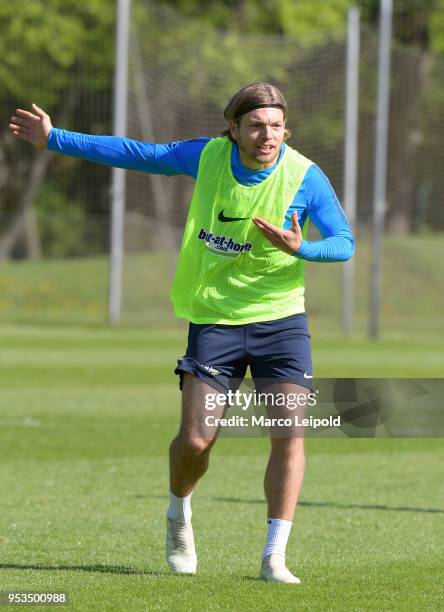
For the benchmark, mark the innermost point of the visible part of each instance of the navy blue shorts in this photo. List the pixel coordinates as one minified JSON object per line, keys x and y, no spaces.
{"x":276,"y":351}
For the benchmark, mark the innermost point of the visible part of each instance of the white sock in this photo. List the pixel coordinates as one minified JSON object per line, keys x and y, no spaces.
{"x":180,"y":508}
{"x":277,"y":537}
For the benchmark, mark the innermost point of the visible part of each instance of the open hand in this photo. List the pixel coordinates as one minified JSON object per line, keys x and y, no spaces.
{"x":288,"y":241}
{"x":32,"y":127}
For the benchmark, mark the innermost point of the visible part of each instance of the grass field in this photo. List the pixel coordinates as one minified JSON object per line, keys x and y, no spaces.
{"x":86,"y":419}
{"x":86,"y":416}
{"x":74,"y":292}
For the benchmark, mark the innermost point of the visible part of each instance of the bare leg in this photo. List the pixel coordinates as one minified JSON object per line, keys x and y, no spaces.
{"x":284,"y":476}
{"x":190,"y":449}
{"x":282,"y":483}
{"x":189,"y":457}
{"x":285,"y":469}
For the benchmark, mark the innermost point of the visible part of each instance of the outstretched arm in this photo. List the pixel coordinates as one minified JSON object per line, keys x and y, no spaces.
{"x":32,"y":127}
{"x":181,"y":157}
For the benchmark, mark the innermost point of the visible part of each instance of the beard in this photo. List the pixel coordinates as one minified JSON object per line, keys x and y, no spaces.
{"x":252,"y":153}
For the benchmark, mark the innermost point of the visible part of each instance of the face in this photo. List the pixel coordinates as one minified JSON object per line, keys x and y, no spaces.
{"x":259,"y":135}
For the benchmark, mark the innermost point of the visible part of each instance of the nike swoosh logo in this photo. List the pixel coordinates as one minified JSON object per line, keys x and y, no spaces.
{"x":225,"y":219}
{"x":307,"y":375}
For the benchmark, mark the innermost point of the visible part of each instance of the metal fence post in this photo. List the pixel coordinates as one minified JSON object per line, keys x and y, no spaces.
{"x":118,"y":175}
{"x":351,"y":157}
{"x":380,"y":179}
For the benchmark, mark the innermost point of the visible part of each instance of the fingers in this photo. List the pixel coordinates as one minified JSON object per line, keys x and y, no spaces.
{"x":280,"y":238}
{"x":40,"y":112}
{"x":31,"y":126}
{"x":295,"y":220}
{"x":259,"y":222}
{"x":274,"y":236}
{"x":20,"y":122}
{"x":269,"y":233}
{"x":18,"y":128}
{"x":27,"y":115}
{"x":21,"y":135}
{"x":268,"y":229}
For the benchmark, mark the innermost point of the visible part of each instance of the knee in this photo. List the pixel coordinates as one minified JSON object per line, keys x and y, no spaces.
{"x":194,"y":447}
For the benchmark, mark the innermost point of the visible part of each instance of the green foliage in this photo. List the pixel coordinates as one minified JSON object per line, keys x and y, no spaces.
{"x":61,"y":223}
{"x":233,"y":49}
{"x":44,"y":40}
{"x":437,"y":27}
{"x":416,"y":21}
{"x":314,"y":17}
{"x":264,"y":16}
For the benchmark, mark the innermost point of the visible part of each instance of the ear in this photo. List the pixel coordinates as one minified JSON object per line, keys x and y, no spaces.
{"x":232,"y":126}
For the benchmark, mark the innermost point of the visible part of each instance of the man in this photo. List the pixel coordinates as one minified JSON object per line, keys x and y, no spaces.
{"x":239,"y":282}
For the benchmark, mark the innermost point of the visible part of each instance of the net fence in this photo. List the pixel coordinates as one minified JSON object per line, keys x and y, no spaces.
{"x":182,"y":74}
{"x":182,"y":79}
{"x":52,"y":205}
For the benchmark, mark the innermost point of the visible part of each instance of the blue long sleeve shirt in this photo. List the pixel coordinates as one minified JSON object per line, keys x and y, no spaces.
{"x":315,"y":198}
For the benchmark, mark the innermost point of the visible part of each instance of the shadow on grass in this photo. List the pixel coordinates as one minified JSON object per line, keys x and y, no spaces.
{"x":334,"y":505}
{"x":238,"y":500}
{"x":104,"y":569}
{"x":114,"y":569}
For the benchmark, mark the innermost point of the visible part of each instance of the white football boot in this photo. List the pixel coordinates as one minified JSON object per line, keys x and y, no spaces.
{"x":180,"y":551}
{"x":273,"y":570}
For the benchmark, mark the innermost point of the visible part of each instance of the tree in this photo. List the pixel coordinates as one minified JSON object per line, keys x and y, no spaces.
{"x":44,"y":45}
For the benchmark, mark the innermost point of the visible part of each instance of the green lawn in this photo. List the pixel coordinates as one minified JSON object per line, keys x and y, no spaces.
{"x":86,"y":416}
{"x":74,"y":292}
{"x":87,"y":413}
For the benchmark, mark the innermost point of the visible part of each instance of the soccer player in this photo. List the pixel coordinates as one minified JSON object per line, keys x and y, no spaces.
{"x":239,"y":282}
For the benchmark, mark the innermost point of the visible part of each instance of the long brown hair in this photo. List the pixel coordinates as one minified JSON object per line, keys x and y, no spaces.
{"x":250,"y":97}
